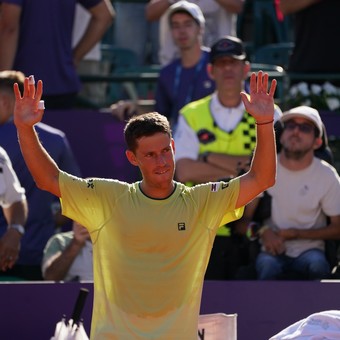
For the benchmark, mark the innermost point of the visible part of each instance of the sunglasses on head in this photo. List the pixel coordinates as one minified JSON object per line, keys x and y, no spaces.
{"x":303,"y":127}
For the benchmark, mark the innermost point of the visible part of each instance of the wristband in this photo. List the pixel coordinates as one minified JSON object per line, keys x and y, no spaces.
{"x":18,"y":227}
{"x":264,"y":123}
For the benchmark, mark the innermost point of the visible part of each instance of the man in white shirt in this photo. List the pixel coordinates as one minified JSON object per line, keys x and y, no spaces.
{"x":305,"y":208}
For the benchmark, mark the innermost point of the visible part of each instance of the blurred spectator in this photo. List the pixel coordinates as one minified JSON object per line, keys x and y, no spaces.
{"x":36,"y":38}
{"x":305,"y":208}
{"x":316,"y":34}
{"x":40,"y":224}
{"x":220,"y":17}
{"x":215,"y":139}
{"x":68,"y":256}
{"x":134,"y":32}
{"x":14,"y":206}
{"x":185,"y":79}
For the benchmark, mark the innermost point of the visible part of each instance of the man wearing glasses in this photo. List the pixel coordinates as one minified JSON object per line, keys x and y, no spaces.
{"x":305,"y":209}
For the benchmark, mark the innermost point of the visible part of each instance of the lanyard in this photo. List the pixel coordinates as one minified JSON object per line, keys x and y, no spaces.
{"x":178,"y":73}
{"x":190,"y":92}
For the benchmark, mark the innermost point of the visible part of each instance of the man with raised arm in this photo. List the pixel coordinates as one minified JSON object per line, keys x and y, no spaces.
{"x":151,"y":239}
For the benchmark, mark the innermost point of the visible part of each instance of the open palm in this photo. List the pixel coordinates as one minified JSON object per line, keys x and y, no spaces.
{"x":26,"y":109}
{"x":260,"y":103}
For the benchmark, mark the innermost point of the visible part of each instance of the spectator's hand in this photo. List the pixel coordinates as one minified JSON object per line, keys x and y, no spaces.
{"x":261,"y":102}
{"x":81,"y":235}
{"x":26,"y":111}
{"x":9,"y":249}
{"x":123,"y":109}
{"x":288,"y":234}
{"x":272,"y":242}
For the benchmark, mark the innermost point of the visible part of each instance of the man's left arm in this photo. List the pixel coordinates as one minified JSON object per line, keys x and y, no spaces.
{"x":262,"y":171}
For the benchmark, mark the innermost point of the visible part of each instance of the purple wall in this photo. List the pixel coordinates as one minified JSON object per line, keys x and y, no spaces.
{"x":97,"y":141}
{"x":31,"y":310}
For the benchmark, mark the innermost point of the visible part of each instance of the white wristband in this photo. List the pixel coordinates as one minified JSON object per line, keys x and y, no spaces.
{"x":18,"y":227}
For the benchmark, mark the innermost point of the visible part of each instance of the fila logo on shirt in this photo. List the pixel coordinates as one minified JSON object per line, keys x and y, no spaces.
{"x":181,"y":226}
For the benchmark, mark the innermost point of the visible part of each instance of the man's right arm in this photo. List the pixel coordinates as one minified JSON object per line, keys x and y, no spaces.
{"x":9,"y":34}
{"x":26,"y":114}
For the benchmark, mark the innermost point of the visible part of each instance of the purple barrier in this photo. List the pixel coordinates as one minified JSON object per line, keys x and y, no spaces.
{"x":31,"y":310}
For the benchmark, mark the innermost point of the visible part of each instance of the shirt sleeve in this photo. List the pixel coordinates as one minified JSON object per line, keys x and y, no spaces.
{"x":187,"y":144}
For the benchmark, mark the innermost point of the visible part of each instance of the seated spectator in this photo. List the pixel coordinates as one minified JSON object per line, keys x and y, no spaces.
{"x":14,"y":206}
{"x":215,"y":139}
{"x":68,"y":256}
{"x":305,"y":208}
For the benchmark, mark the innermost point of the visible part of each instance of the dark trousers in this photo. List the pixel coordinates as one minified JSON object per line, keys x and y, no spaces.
{"x":22,"y":273}
{"x":229,"y":254}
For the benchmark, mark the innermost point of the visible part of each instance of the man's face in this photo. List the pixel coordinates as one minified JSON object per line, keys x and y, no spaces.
{"x":229,"y":73}
{"x":185,"y":30}
{"x":298,"y":138}
{"x":154,"y":156}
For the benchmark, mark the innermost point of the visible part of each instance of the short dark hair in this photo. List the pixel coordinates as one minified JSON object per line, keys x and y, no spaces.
{"x":146,"y":124}
{"x":9,"y":77}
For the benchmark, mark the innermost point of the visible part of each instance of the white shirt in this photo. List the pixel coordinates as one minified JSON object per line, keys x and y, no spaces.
{"x":302,"y":199}
{"x":10,"y":189}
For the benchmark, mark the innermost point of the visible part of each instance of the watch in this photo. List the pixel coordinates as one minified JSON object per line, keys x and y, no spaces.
{"x":17,"y":227}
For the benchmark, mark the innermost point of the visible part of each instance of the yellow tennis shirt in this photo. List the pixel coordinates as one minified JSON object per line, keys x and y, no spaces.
{"x":149,"y":255}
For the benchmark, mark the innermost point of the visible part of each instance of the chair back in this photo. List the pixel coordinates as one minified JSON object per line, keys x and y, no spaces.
{"x":276,"y":54}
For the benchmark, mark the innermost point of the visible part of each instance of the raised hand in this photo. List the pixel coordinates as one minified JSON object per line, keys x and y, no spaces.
{"x":26,"y":110}
{"x":260,"y":103}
